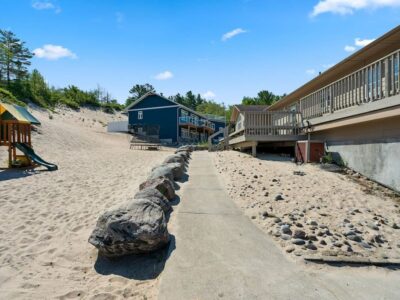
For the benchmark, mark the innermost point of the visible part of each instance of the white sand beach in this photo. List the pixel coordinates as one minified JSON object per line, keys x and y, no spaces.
{"x":333,"y":210}
{"x":47,"y":217}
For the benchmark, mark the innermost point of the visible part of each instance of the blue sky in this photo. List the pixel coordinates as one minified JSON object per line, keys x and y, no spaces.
{"x":222,"y":49}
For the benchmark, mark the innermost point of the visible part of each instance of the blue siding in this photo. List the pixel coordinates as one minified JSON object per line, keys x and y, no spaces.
{"x":218,"y":125}
{"x":155,"y":111}
{"x":166,"y":118}
{"x":153,"y":101}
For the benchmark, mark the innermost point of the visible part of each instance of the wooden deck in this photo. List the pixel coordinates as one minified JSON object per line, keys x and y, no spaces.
{"x":267,"y":126}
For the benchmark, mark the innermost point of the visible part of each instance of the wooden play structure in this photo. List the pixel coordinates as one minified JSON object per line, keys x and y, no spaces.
{"x":15,"y":133}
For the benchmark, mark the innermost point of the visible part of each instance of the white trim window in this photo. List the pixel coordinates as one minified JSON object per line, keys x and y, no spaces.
{"x":140,"y":115}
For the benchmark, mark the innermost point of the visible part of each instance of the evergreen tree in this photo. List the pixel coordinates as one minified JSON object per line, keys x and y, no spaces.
{"x":14,"y":57}
{"x":137,"y":91}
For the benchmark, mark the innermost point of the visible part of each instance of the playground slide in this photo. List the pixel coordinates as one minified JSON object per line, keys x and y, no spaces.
{"x":28,"y":151}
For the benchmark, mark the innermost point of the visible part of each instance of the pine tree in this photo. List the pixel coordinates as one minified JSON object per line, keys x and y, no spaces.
{"x":14,"y":57}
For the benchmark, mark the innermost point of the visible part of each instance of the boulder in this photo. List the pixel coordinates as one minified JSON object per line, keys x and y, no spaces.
{"x":184,"y":153}
{"x":161,"y":171}
{"x":140,"y":229}
{"x":176,"y":169}
{"x":174,"y":159}
{"x":162,"y":184}
{"x":154,"y":196}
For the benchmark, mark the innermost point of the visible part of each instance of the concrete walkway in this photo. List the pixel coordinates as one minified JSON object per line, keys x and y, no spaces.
{"x":220,"y":253}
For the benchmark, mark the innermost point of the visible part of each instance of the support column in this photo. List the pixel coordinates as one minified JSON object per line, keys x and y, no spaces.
{"x":254,"y":149}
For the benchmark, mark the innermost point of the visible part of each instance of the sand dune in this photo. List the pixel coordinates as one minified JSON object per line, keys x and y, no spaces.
{"x":46,"y":217}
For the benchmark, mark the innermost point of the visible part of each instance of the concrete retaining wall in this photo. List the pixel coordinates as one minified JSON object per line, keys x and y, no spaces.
{"x":371,"y":148}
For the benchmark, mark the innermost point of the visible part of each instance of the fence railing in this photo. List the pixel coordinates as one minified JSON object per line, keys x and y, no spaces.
{"x":269,"y":123}
{"x":196,"y":122}
{"x":374,"y":82}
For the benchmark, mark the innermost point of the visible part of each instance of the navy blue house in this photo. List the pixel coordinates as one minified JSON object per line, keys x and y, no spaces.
{"x":156,"y":116}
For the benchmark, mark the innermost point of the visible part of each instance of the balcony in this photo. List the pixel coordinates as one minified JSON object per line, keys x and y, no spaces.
{"x":365,"y":90}
{"x":197,"y":123}
{"x":267,"y":126}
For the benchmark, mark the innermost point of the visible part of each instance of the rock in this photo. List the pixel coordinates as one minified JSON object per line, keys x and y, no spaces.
{"x":378,"y":239}
{"x":176,"y":169}
{"x":264,"y":214}
{"x":311,"y":246}
{"x":372,"y":225}
{"x":141,"y":229}
{"x":298,"y":242}
{"x":253,"y":217}
{"x":286,"y":229}
{"x":161,"y":171}
{"x":322,"y":242}
{"x":274,"y":180}
{"x":355,"y":238}
{"x":277,"y":220}
{"x":266,"y":194}
{"x":154,"y":196}
{"x":395,"y":226}
{"x":174,"y":159}
{"x":285,"y":237}
{"x":365,"y":245}
{"x":290,"y":249}
{"x":162,"y":184}
{"x":312,"y":223}
{"x":299,"y":234}
{"x":311,"y":237}
{"x":279,"y":197}
{"x":255,"y":176}
{"x":299,"y":173}
{"x":338,"y":244}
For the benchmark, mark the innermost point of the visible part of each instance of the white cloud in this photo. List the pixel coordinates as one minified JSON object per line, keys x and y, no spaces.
{"x":209,"y":95}
{"x":232,"y":33}
{"x":54,"y":52}
{"x":46,"y":5}
{"x":348,"y":48}
{"x":164,"y":75}
{"x":311,"y":72}
{"x":361,"y":43}
{"x":343,"y":7}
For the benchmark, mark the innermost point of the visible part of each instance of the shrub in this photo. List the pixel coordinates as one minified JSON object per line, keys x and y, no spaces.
{"x":8,"y":97}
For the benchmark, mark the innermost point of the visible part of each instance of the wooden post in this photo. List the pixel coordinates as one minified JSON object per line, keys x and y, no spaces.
{"x":9,"y":146}
{"x":254,"y":149}
{"x":308,"y":148}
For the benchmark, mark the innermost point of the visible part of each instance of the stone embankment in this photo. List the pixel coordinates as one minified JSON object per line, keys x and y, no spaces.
{"x":140,"y":224}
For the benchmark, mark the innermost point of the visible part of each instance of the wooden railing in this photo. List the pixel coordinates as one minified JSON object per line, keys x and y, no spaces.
{"x":376,"y":81}
{"x":269,"y":123}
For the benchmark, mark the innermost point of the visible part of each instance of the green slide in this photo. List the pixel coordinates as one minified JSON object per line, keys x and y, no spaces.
{"x":28,"y":151}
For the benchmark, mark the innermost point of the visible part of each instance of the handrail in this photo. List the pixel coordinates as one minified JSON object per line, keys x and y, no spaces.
{"x":376,"y":81}
{"x":196,"y":122}
{"x":270,"y":123}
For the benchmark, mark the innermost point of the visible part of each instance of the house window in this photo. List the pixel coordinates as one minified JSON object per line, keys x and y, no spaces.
{"x":140,"y":115}
{"x":184,"y":113}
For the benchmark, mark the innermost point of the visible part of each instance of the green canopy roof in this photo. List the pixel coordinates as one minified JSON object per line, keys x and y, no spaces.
{"x":18,"y":113}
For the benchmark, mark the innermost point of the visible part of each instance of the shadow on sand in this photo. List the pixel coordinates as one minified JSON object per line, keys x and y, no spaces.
{"x":273,"y":157}
{"x":10,"y":174}
{"x":138,"y":267}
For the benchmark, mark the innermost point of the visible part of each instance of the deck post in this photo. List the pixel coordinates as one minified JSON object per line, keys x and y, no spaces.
{"x":254,"y":149}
